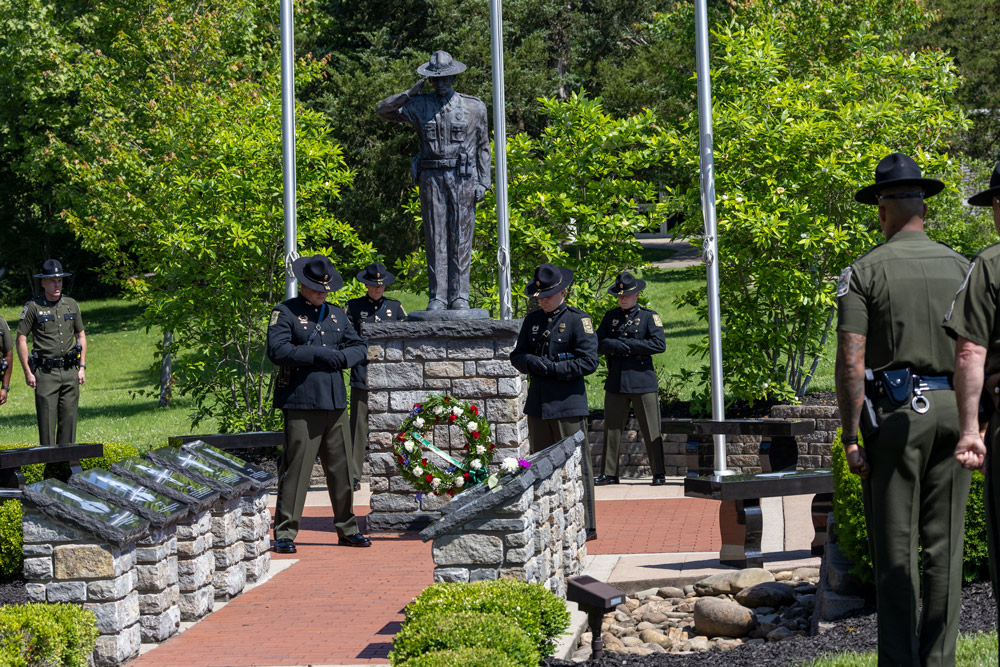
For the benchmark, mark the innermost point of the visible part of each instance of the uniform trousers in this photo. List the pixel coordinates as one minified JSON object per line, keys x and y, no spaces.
{"x":544,"y":433}
{"x":916,"y":493}
{"x":647,"y":412}
{"x":308,"y":433}
{"x":57,"y":395}
{"x":359,"y":431}
{"x":991,"y":501}
{"x":447,"y":205}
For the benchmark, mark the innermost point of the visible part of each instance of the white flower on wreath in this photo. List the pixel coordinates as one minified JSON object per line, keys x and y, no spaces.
{"x":418,"y":471}
{"x":480,"y":449}
{"x":476,"y":464}
{"x":509,"y":465}
{"x":459,"y":482}
{"x":438,"y":410}
{"x":473,"y":426}
{"x":435,"y":483}
{"x":418,"y":422}
{"x":457,"y":411}
{"x":408,"y":445}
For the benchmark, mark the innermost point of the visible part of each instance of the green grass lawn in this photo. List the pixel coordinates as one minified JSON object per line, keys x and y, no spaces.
{"x":973,"y":650}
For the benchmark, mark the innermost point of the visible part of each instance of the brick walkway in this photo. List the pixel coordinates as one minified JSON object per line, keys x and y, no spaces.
{"x":341,"y":606}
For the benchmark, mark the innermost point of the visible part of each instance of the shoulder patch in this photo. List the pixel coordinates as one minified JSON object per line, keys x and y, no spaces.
{"x":274,"y":318}
{"x":588,"y":326}
{"x":24,"y":311}
{"x":657,"y":321}
{"x":844,"y":283}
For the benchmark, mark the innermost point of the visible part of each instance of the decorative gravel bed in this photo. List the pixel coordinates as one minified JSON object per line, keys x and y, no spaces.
{"x":979,"y":614}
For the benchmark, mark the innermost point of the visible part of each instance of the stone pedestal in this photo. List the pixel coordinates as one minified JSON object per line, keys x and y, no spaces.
{"x":409,"y":361}
{"x":531,"y":528}
{"x":159,"y":593}
{"x":62,"y":563}
{"x":230,"y":576}
{"x":255,"y":524}
{"x":195,"y":566}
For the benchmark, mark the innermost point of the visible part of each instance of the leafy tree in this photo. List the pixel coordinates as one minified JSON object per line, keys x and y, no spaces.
{"x":176,"y":185}
{"x":794,"y":139}
{"x":573,"y":201}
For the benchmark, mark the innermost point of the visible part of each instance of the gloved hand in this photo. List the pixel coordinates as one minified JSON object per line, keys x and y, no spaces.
{"x":619,"y":348}
{"x":330,"y":358}
{"x":539,"y":366}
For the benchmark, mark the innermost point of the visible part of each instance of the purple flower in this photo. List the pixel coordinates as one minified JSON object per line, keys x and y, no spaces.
{"x":523,"y":463}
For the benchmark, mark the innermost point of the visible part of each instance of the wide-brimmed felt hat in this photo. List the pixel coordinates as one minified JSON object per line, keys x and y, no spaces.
{"x":549,"y":279}
{"x":985,"y":198}
{"x":318,"y":273}
{"x":626,"y":284}
{"x":894,"y":170}
{"x":52,"y":268}
{"x":440,"y":64}
{"x":375,"y":274}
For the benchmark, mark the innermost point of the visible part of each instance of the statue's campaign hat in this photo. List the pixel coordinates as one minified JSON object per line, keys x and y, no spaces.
{"x":440,"y":64}
{"x":376,"y":274}
{"x":548,"y":280}
{"x":318,"y":273}
{"x":626,"y":284}
{"x":894,"y":170}
{"x":985,"y":198}
{"x":52,"y":268}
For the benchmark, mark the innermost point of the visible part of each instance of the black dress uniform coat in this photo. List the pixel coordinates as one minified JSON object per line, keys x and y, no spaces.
{"x":363,"y":310}
{"x":311,"y":377}
{"x":630,"y":371}
{"x":556,"y":350}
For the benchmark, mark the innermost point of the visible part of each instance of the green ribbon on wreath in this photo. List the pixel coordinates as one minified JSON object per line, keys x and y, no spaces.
{"x":476,"y":476}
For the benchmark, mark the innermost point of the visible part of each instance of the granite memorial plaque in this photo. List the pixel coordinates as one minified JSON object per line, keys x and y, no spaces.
{"x":80,"y":509}
{"x":226,"y":481}
{"x":261,"y":478}
{"x":170,"y":483}
{"x":158,"y":509}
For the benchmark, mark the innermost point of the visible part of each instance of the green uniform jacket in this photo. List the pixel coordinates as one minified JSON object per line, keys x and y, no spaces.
{"x":53,"y":326}
{"x":363,"y":310}
{"x":556,"y":350}
{"x":313,"y":379}
{"x":6,"y":339}
{"x":973,"y":315}
{"x":628,"y":340}
{"x":910,"y":275}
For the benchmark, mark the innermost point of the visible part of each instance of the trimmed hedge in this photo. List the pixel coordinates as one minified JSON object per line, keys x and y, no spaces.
{"x":465,"y":629}
{"x":852,"y":533}
{"x":46,"y":634}
{"x":11,"y":536}
{"x":466,"y":657}
{"x":534,"y":608}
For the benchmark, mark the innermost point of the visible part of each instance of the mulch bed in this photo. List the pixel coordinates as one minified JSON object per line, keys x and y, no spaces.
{"x":859,"y":633}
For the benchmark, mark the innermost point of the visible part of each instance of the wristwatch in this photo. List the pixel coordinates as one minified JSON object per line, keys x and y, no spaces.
{"x":83,"y":365}
{"x":5,"y":388}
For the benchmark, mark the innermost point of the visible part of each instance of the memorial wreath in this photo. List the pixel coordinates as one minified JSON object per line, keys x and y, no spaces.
{"x":456,"y":476}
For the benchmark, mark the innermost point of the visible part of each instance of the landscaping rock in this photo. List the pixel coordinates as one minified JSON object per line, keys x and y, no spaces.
{"x":732,"y":582}
{"x":714,"y":617}
{"x":767,"y":594}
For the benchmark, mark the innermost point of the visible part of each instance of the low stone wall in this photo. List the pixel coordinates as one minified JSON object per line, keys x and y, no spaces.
{"x":530,"y":529}
{"x":743,"y":451}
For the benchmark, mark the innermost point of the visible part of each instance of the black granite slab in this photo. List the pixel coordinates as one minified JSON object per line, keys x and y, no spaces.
{"x":250,"y":440}
{"x":227,"y":482}
{"x":172,"y":484}
{"x":260,"y":478}
{"x":157,"y":509}
{"x":79,"y":509}
{"x":761,"y":427}
{"x":764,"y":485}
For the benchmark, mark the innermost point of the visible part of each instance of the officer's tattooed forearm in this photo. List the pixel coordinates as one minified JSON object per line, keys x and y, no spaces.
{"x":850,"y":378}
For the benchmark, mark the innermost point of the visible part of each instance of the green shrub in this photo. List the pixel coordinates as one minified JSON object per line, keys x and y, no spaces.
{"x":539,"y":613}
{"x":11,"y":536}
{"x":852,"y":533}
{"x":466,"y":657}
{"x":46,"y":634}
{"x":465,"y":629}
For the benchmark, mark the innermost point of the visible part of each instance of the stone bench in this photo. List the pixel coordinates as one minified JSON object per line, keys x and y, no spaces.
{"x":11,"y":460}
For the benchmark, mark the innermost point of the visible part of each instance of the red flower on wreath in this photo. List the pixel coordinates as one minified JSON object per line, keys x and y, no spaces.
{"x":401,"y":459}
{"x":475,"y":434}
{"x":451,"y":492}
{"x":465,"y":475}
{"x":474,"y":410}
{"x":423,"y":462}
{"x":451,"y":418}
{"x":401,"y":437}
{"x":492,"y":446}
{"x":437,"y":420}
{"x":447,"y":399}
{"x":428,"y":477}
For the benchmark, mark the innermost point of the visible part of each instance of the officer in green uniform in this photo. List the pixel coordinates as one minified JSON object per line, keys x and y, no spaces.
{"x":890,"y":304}
{"x":311,"y":341}
{"x":56,"y":367}
{"x":372,"y":308}
{"x":557,"y":347}
{"x":628,"y":337}
{"x":973,"y":320}
{"x":6,"y":359}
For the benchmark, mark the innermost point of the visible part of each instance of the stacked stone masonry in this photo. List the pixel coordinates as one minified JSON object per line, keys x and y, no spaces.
{"x":63,"y":564}
{"x":157,"y":585}
{"x":531,"y":529}
{"x":229,"y":578}
{"x":409,"y":361}
{"x":195,"y":566}
{"x":743,"y":451}
{"x":255,"y":523}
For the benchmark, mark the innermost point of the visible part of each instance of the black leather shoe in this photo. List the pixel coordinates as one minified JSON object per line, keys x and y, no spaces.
{"x":591,"y":535}
{"x":605,"y":479}
{"x":659,"y":480}
{"x":355,"y":540}
{"x":284,"y":546}
{"x":357,"y":485}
